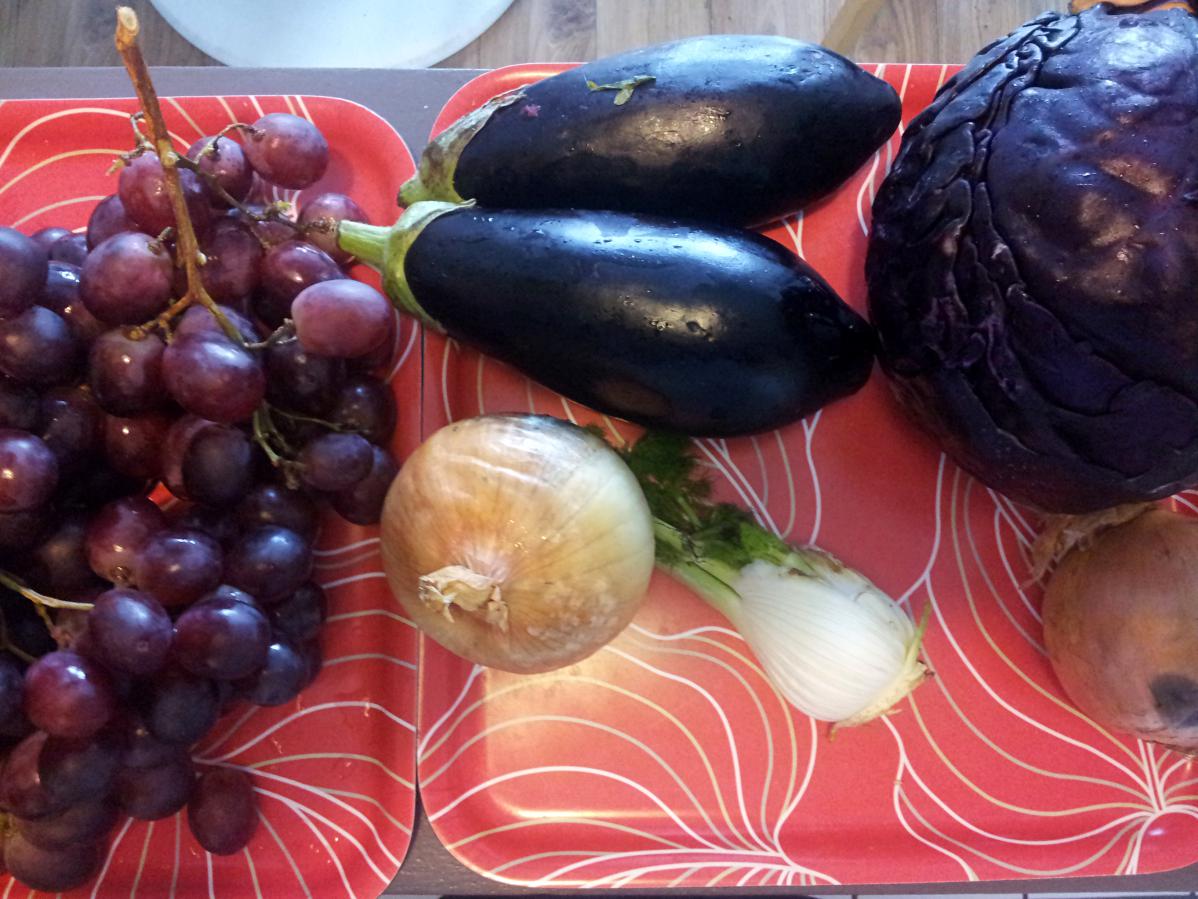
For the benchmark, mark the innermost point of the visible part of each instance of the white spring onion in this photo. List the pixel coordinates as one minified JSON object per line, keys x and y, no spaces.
{"x":833,"y":644}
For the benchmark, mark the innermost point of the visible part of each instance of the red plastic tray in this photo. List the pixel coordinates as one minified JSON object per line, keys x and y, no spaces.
{"x":334,"y":770}
{"x":667,"y":759}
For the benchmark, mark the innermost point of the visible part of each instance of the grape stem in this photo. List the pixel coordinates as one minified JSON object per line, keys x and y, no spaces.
{"x":284,"y":333}
{"x":266,"y":434}
{"x":139,"y":137}
{"x":188,"y":247}
{"x":15,"y":584}
{"x":327,"y":425}
{"x":226,"y":131}
{"x":273,"y":212}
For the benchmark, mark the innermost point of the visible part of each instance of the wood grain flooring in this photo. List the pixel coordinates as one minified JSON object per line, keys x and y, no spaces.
{"x":79,"y":32}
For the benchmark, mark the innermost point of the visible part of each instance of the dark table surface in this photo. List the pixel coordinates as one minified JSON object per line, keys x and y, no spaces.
{"x":410,"y":100}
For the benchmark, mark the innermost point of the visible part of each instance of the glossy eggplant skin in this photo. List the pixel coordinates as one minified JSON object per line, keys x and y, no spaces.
{"x":700,"y":330}
{"x":732,"y":129}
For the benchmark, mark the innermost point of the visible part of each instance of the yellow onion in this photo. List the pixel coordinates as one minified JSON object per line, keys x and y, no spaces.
{"x":1121,"y":626}
{"x":520,"y":542}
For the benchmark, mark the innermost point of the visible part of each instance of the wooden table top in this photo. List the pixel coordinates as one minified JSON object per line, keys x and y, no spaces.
{"x":79,"y":32}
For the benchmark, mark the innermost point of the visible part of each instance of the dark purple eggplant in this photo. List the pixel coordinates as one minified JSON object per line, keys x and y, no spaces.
{"x":737,"y":129}
{"x":697,"y":329}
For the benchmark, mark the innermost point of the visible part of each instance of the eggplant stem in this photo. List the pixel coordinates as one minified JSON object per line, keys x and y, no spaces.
{"x":385,"y":249}
{"x":439,"y":162}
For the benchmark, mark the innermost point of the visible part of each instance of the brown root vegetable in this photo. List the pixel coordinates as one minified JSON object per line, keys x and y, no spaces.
{"x":1121,"y":627}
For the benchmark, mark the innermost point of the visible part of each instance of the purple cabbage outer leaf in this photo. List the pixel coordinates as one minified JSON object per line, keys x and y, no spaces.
{"x":1033,"y":264}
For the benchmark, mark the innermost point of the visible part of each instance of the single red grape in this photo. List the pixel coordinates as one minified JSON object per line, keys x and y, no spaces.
{"x":178,"y":567}
{"x":299,"y":617}
{"x":332,"y":461}
{"x":50,"y":870}
{"x":79,"y":770}
{"x":126,"y":374}
{"x":82,"y":823}
{"x":61,"y":295}
{"x":214,"y":378}
{"x":22,"y":792}
{"x":343,"y":318}
{"x":45,"y":237}
{"x":226,"y":163}
{"x":141,"y":748}
{"x":362,"y":503}
{"x":219,"y":466}
{"x":37,"y":347}
{"x":127,"y":279}
{"x":72,"y":426}
{"x":222,"y":638}
{"x":28,"y":471}
{"x":287,"y":269}
{"x":367,"y":406}
{"x":107,"y":219}
{"x":19,"y":407}
{"x":223,"y":813}
{"x":71,"y":248}
{"x":116,"y":535}
{"x":287,"y":150}
{"x":59,"y":562}
{"x":232,"y":256}
{"x":156,"y":792}
{"x":143,"y":190}
{"x":269,"y":563}
{"x":276,"y":505}
{"x":68,"y":695}
{"x":130,"y":631}
{"x":301,"y":381}
{"x":180,"y":708}
{"x":133,"y":446}
{"x":22,"y":271}
{"x":281,"y":678}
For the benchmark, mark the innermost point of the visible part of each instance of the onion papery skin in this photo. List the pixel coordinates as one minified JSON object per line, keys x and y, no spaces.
{"x":1121,"y":628}
{"x":548,"y":512}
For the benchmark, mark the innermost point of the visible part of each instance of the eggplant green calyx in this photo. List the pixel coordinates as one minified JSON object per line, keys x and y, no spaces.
{"x":384,"y":249}
{"x":623,"y":88}
{"x":439,"y":161}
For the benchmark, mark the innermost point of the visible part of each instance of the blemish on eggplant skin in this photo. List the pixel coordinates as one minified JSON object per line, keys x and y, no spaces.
{"x":1176,"y":698}
{"x":530,"y":110}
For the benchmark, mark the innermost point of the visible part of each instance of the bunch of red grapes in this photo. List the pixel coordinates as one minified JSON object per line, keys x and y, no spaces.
{"x":253,"y":416}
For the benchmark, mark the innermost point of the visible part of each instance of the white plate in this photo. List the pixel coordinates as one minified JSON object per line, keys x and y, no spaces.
{"x":324,"y":34}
